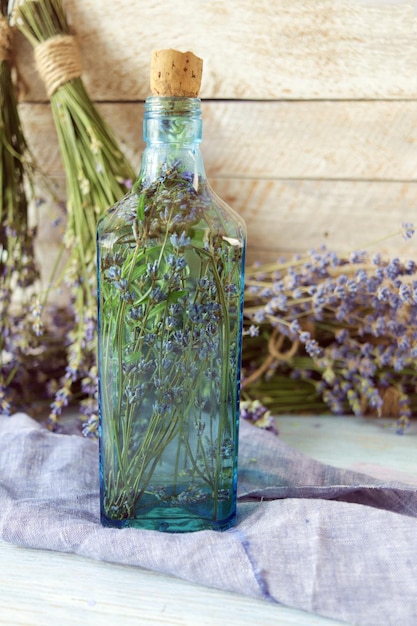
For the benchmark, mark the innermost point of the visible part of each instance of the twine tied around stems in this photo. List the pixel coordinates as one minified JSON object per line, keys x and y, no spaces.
{"x":58,"y":61}
{"x":6,"y":36}
{"x":275,"y":344}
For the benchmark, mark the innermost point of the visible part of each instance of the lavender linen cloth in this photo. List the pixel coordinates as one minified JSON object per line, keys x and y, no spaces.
{"x":310,"y":536}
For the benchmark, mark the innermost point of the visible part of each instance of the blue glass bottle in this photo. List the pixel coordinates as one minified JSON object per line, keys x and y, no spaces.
{"x":170,"y":259}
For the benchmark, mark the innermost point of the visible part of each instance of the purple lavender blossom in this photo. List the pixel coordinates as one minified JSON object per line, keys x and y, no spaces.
{"x":407,"y":230}
{"x":358,"y":326}
{"x":256,"y":413}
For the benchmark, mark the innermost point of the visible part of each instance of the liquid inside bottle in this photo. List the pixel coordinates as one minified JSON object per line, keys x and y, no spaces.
{"x":170,"y":259}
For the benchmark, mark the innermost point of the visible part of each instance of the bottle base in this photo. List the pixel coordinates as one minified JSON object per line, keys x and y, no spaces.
{"x":170,"y":520}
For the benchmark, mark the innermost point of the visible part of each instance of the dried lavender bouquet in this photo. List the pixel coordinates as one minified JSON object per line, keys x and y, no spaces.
{"x":97,"y":175}
{"x":19,"y":309}
{"x":331,"y":332}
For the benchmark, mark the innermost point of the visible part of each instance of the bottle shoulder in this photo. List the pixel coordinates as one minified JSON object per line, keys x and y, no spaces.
{"x":233,"y":215}
{"x":157,"y":207}
{"x":119,"y":214}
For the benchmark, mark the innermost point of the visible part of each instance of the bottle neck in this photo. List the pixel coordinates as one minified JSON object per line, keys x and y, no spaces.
{"x":172,"y":130}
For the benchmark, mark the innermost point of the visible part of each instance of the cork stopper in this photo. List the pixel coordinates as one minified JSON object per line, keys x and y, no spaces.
{"x":175,"y":73}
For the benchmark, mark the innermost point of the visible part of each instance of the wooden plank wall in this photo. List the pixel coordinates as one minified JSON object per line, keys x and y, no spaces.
{"x":310,"y":109}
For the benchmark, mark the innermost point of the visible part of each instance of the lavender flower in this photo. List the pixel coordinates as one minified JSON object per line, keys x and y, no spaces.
{"x":257,"y":414}
{"x":407,"y":230}
{"x":334,"y":312}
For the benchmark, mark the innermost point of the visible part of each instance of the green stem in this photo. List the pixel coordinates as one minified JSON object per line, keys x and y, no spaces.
{"x":224,"y":389}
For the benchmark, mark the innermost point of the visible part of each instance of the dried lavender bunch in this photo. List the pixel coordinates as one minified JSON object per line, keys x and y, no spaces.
{"x":37,"y":362}
{"x":19,"y":320}
{"x":323,"y":330}
{"x":97,"y":175}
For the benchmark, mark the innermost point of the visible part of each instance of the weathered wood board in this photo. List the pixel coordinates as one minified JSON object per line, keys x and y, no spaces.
{"x":263,"y":49}
{"x":339,"y":176}
{"x":310,"y":109}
